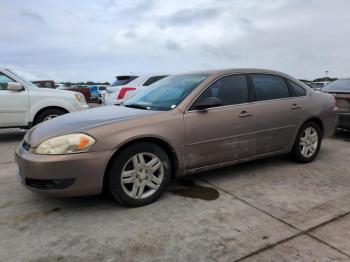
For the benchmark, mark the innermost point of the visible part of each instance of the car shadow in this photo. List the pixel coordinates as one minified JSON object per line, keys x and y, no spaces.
{"x":342,"y":134}
{"x":12,"y":135}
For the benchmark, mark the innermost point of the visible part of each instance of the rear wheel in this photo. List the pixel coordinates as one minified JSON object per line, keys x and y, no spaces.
{"x":139,"y":174}
{"x":49,"y":114}
{"x":308,"y":143}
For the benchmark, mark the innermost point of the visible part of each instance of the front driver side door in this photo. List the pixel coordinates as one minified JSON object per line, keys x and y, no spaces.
{"x":14,"y":105}
{"x":220,"y":134}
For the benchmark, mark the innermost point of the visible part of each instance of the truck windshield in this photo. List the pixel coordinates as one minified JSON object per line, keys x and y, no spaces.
{"x":21,"y":78}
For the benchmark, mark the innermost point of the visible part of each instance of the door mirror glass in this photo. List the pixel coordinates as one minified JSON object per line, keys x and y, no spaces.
{"x":208,"y":102}
{"x":13,"y":86}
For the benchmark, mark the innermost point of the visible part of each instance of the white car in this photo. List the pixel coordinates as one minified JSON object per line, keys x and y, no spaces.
{"x":23,"y":104}
{"x":60,"y":86}
{"x":127,"y":86}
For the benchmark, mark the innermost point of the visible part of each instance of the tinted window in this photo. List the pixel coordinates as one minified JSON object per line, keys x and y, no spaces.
{"x":269,"y":87}
{"x":4,"y":79}
{"x":123,"y":80}
{"x":339,"y":85}
{"x":231,"y":90}
{"x":298,"y":90}
{"x":165,"y":94}
{"x":152,"y":80}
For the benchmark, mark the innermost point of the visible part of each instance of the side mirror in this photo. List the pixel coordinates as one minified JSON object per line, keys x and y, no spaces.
{"x":208,"y":102}
{"x":13,"y":86}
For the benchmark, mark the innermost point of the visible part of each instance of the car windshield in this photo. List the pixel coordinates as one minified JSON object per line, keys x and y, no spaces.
{"x":166,"y":94}
{"x":338,"y":85}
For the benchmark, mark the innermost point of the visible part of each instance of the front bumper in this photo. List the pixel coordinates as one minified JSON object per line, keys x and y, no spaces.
{"x":62,"y":175}
{"x":344,"y":120}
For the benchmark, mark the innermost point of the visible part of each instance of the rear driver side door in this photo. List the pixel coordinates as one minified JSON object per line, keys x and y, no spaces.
{"x":277,"y":113}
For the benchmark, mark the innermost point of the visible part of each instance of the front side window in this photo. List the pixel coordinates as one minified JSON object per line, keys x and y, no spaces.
{"x":231,"y":90}
{"x":167,"y":93}
{"x":4,"y":80}
{"x":298,"y":90}
{"x":269,"y":87}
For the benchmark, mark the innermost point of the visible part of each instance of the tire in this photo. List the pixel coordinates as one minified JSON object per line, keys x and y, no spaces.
{"x":46,"y":114}
{"x":138,"y":175}
{"x":306,"y":148}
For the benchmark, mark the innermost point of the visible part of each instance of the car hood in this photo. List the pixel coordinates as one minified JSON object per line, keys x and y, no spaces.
{"x":81,"y":121}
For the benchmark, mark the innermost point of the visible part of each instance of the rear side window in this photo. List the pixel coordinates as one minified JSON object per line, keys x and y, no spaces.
{"x":298,"y":90}
{"x":123,"y":80}
{"x":231,"y":90}
{"x":152,"y":80}
{"x":269,"y":87}
{"x":4,"y":80}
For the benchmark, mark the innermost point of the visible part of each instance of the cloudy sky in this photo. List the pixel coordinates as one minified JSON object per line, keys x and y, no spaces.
{"x":95,"y":40}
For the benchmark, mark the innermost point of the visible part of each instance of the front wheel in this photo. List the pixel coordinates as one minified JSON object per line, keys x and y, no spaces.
{"x":139,"y":174}
{"x":308,"y":143}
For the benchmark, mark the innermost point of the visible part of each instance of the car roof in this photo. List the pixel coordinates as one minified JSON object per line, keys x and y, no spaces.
{"x":237,"y":71}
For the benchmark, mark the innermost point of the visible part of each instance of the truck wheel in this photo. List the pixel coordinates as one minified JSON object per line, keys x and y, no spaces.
{"x":49,"y":114}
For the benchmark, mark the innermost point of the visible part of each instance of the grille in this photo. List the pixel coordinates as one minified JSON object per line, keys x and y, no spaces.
{"x":46,"y":184}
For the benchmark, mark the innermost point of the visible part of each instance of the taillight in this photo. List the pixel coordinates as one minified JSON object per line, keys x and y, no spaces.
{"x":123,"y":91}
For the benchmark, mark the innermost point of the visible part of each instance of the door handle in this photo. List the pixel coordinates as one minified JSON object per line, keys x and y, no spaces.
{"x":245,"y":114}
{"x":295,"y":106}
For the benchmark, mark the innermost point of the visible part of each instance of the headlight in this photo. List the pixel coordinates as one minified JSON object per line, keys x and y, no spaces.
{"x":80,"y":98}
{"x":66,"y":144}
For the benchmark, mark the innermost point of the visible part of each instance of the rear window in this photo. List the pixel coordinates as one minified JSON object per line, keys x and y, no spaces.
{"x":338,"y":85}
{"x":153,"y":79}
{"x":123,"y":80}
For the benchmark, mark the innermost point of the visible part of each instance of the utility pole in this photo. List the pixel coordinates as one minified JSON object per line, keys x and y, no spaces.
{"x":326,"y":75}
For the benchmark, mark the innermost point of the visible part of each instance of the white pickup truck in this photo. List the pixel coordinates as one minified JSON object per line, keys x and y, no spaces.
{"x":23,"y":104}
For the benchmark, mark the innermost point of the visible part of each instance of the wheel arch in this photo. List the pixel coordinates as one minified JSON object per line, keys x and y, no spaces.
{"x":35,"y":119}
{"x":317,"y":121}
{"x":169,"y":150}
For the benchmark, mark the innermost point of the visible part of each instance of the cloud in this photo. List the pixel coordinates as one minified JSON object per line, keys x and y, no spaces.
{"x":98,"y":39}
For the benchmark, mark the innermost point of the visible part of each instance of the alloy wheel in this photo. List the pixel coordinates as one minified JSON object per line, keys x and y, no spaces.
{"x":309,"y":142}
{"x":142,"y":175}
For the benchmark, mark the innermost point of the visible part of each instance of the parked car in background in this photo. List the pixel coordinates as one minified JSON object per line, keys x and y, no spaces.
{"x":97,"y":92}
{"x":127,"y":86}
{"x":340,"y":89}
{"x":45,"y":83}
{"x":83,"y":89}
{"x":23,"y":104}
{"x":318,"y":85}
{"x":180,"y":125}
{"x":60,"y":86}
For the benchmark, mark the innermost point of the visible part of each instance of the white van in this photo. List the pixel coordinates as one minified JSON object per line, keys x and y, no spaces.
{"x":23,"y":104}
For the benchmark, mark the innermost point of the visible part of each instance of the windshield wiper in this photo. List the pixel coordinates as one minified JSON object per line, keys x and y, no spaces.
{"x":137,"y":106}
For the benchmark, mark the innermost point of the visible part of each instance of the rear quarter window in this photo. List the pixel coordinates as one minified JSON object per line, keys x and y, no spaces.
{"x":297,"y":89}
